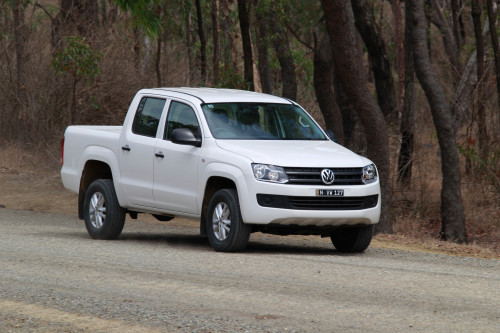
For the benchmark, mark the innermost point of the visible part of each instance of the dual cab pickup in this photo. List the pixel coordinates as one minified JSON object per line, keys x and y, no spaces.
{"x":238,"y":161}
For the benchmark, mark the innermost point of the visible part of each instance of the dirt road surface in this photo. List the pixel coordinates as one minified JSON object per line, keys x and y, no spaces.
{"x":165,"y":278}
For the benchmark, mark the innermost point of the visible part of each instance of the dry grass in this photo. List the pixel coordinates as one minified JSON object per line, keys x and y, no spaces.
{"x":416,"y":207}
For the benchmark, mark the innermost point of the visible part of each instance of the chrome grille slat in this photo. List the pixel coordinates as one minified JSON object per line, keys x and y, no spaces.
{"x":312,"y":176}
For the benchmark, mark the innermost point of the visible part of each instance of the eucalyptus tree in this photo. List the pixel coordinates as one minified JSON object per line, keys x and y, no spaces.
{"x":381,"y":66}
{"x":277,"y":19}
{"x":476,"y":11}
{"x":244,"y":8}
{"x":407,"y":126}
{"x":493,"y":22}
{"x":203,"y":41}
{"x":263,"y":41}
{"x":452,"y":211}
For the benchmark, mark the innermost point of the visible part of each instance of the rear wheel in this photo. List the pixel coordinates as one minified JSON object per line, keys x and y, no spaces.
{"x":104,"y":218}
{"x":352,"y":239}
{"x":226,"y":230}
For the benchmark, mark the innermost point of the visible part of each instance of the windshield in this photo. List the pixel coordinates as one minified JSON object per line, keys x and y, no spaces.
{"x":255,"y":121}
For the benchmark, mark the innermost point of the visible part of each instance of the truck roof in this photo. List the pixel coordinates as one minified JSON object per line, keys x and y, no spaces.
{"x":219,"y":95}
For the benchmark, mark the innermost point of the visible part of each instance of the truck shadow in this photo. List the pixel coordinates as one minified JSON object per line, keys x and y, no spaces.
{"x":257,"y":246}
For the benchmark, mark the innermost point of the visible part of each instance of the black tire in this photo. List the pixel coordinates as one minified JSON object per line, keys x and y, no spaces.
{"x":110,"y":218}
{"x":352,"y":239}
{"x":226,"y":230}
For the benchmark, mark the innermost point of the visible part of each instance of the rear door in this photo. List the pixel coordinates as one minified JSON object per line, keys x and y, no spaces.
{"x":137,"y":151}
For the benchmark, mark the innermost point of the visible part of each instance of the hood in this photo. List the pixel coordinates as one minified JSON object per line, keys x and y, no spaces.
{"x":322,"y":154}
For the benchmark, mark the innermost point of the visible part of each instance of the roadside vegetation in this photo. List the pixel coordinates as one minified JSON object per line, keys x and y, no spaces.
{"x":415,"y":88}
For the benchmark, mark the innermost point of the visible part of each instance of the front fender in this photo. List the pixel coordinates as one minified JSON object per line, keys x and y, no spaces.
{"x":228,"y":171}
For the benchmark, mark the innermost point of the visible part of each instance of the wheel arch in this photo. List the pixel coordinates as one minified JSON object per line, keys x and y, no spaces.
{"x":93,"y":170}
{"x":213,"y":184}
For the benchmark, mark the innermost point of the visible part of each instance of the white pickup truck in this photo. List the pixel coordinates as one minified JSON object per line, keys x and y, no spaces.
{"x":238,"y":161}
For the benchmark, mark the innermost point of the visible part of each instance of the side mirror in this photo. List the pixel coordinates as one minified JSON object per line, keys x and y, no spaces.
{"x":184,"y":136}
{"x":331,"y":135}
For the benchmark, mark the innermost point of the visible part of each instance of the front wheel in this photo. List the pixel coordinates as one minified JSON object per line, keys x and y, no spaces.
{"x":226,"y":230}
{"x":352,"y":239}
{"x":104,"y":218}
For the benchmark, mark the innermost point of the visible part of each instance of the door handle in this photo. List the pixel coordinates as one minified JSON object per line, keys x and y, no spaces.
{"x":126,"y":148}
{"x":159,"y":154}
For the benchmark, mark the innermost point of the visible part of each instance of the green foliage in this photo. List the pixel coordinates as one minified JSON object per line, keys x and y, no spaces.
{"x":155,"y":16}
{"x":77,"y":58}
{"x":145,"y":13}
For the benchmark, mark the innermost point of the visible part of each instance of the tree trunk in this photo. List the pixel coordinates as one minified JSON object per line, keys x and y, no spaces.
{"x":349,"y":119}
{"x":231,"y":44}
{"x":215,"y":37}
{"x":73,"y":100}
{"x":323,"y":86}
{"x":452,"y":211}
{"x":203,"y":42}
{"x":482,"y":134}
{"x":493,"y":18}
{"x":19,"y":103}
{"x":137,"y":50}
{"x":405,"y":160}
{"x":189,"y":49}
{"x":244,"y":17}
{"x":340,"y":24}
{"x":284,"y":54}
{"x":370,"y":32}
{"x":263,"y":51}
{"x":157,"y":62}
{"x":455,"y":16}
{"x":400,"y":59}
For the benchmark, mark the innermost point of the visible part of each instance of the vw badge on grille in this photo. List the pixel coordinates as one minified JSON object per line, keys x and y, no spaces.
{"x":327,"y":176}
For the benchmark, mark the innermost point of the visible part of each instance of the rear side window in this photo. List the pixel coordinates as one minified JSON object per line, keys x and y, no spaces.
{"x":181,"y":115}
{"x":148,"y":116}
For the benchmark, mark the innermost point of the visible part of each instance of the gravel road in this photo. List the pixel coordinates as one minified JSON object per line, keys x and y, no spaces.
{"x":163,"y":278}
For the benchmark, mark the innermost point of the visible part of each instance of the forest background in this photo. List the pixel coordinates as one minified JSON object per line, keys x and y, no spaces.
{"x":411,"y":84}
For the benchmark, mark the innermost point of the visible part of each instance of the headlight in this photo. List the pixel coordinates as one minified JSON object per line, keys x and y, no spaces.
{"x":369,"y":174}
{"x":269,"y":173}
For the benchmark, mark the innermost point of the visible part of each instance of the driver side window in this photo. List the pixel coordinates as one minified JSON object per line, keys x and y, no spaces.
{"x":181,"y":115}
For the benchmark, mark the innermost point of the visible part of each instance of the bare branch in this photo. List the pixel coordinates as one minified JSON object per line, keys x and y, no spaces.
{"x":294,"y":33}
{"x":45,"y":10}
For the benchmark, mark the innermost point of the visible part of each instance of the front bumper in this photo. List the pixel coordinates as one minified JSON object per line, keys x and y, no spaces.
{"x":285,"y":204}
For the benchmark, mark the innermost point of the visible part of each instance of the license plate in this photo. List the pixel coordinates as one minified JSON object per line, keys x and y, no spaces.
{"x":330,"y":193}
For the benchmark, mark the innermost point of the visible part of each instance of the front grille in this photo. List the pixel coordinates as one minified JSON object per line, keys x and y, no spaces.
{"x":317,"y":203}
{"x":312,"y":176}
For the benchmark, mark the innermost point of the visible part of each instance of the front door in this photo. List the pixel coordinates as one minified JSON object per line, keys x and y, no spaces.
{"x":176,"y":166}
